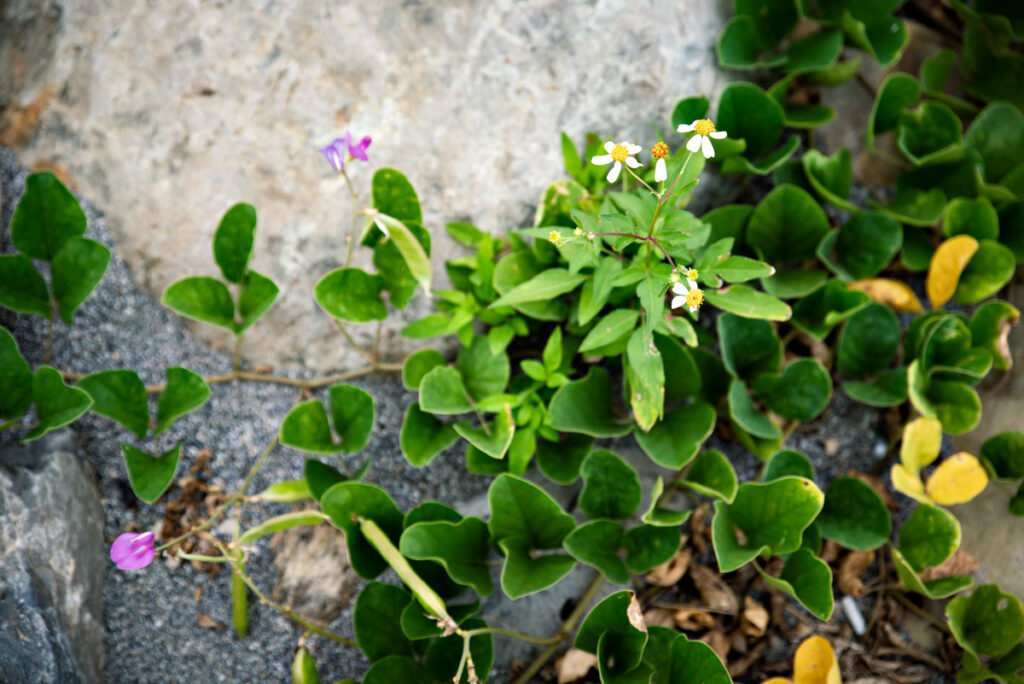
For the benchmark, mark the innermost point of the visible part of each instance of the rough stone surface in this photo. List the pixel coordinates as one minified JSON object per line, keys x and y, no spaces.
{"x":51,"y":567}
{"x":316,"y":578}
{"x":167,"y":115}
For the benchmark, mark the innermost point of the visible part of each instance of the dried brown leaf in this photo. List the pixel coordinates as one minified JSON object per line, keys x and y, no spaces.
{"x":668,"y":574}
{"x":718,"y":642}
{"x":207,"y":622}
{"x":755,"y":618}
{"x":851,"y":569}
{"x":660,"y":617}
{"x":830,"y":551}
{"x":960,"y":563}
{"x":694,"y":618}
{"x":714,"y":592}
{"x":635,"y":614}
{"x":575,"y":665}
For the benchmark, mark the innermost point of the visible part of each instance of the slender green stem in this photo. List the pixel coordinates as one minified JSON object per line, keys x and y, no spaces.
{"x":917,"y":610}
{"x":556,"y":639}
{"x":355,"y":345}
{"x":564,"y":632}
{"x":641,"y":180}
{"x":355,"y":218}
{"x":202,"y":559}
{"x":665,"y":195}
{"x":462,"y":661}
{"x":650,"y":239}
{"x":49,"y":336}
{"x":236,"y":358}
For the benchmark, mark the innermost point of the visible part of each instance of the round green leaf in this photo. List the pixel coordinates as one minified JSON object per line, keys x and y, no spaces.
{"x":956,"y":404}
{"x":483,"y":372}
{"x":306,"y":428}
{"x":928,"y":537}
{"x":121,"y":396}
{"x":928,"y":133}
{"x":974,"y":217}
{"x":347,"y":499}
{"x":772,"y":517}
{"x":319,"y":477}
{"x":377,"y":621}
{"x":462,"y":548}
{"x":22,"y":287}
{"x":712,"y":475}
{"x":788,"y":462}
{"x":202,"y":299}
{"x":786,"y":226}
{"x":585,"y":406}
{"x":15,"y":378}
{"x":801,"y":392}
{"x":351,"y":294}
{"x":749,"y":347}
{"x":150,"y":476}
{"x":990,"y":268}
{"x":184,"y":393}
{"x":256,"y":296}
{"x":611,"y":488}
{"x":690,"y":108}
{"x":419,"y":364}
{"x":352,"y":413}
{"x":854,"y":515}
{"x":808,"y":579}
{"x":1004,"y":453}
{"x":57,"y":404}
{"x":675,"y":439}
{"x":898,"y":91}
{"x":232,"y":243}
{"x":988,"y":622}
{"x":868,"y":342}
{"x":747,"y":112}
{"x":867,"y":243}
{"x":648,"y":546}
{"x":597,"y":543}
{"x":423,"y":436}
{"x":560,"y":461}
{"x":46,"y":217}
{"x":746,"y":416}
{"x":997,"y":134}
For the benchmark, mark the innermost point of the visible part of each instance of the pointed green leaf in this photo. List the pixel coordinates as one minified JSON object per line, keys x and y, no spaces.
{"x":484,"y":373}
{"x":352,"y":414}
{"x":712,"y":475}
{"x":442,"y":392}
{"x":46,"y":217}
{"x":548,"y":284}
{"x":280,"y":522}
{"x":255,"y":298}
{"x":415,"y":256}
{"x":611,"y":488}
{"x":320,"y":477}
{"x":184,"y":393}
{"x":347,"y":499}
{"x":57,"y":404}
{"x":496,"y":439}
{"x":423,"y":436}
{"x":745,"y":301}
{"x":150,"y":476}
{"x":609,"y":329}
{"x":202,"y":299}
{"x":462,"y":548}
{"x":232,"y":243}
{"x":15,"y":379}
{"x":78,"y":266}
{"x":585,"y":406}
{"x":120,"y":396}
{"x":22,"y":287}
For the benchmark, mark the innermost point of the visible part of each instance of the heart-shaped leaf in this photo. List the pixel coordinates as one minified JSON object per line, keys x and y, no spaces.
{"x":22,"y":287}
{"x":675,"y":440}
{"x":483,"y":372}
{"x":547,"y":284}
{"x":377,"y":621}
{"x":786,"y":226}
{"x":615,"y":623}
{"x":988,"y":622}
{"x":585,"y":406}
{"x":813,"y":52}
{"x":866,"y":244}
{"x":897,"y":92}
{"x":915,"y":207}
{"x":255,"y":298}
{"x":442,"y":392}
{"x":352,"y":413}
{"x":423,"y":436}
{"x":691,"y":662}
{"x":738,"y":46}
{"x":801,"y":392}
{"x":525,"y":519}
{"x":150,"y":476}
{"x":712,"y":475}
{"x":232,"y":243}
{"x":611,"y":488}
{"x":747,"y":112}
{"x":346,"y":500}
{"x":462,"y":548}
{"x":494,"y":439}
{"x":120,"y":396}
{"x":46,"y":217}
{"x":749,"y":347}
{"x":57,"y":404}
{"x":15,"y":379}
{"x":306,"y":428}
{"x":831,"y":177}
{"x":788,"y":462}
{"x":184,"y":393}
{"x":808,"y":579}
{"x":648,"y":546}
{"x":1004,"y":454}
{"x":929,"y":133}
{"x":868,"y":342}
{"x":772,"y":517}
{"x":351,"y":294}
{"x":598,"y":543}
{"x":854,"y":515}
{"x":560,"y":461}
{"x":988,"y":270}
{"x":202,"y":299}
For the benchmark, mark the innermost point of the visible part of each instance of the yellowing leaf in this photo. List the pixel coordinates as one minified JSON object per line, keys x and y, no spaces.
{"x":922,"y":439}
{"x":777,"y":680}
{"x":948,"y":262}
{"x":907,"y":483}
{"x":815,"y":663}
{"x":957,"y":480}
{"x":894,"y":294}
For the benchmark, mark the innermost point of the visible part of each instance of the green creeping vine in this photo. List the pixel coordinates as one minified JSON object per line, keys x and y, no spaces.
{"x":568,"y":333}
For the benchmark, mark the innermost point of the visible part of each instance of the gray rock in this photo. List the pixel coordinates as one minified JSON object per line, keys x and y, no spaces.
{"x":316,"y":580}
{"x":52,"y":563}
{"x":168,"y":116}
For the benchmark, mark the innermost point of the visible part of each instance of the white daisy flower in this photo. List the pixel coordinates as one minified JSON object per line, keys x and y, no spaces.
{"x":688,"y":294}
{"x":618,"y":154}
{"x":659,"y":152}
{"x":705,"y":130}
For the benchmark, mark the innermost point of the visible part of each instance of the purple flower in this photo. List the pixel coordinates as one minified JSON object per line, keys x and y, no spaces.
{"x":133,"y":551}
{"x":342,"y":150}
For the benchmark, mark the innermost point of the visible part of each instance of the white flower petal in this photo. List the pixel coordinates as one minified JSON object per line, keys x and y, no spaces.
{"x":718,"y":135}
{"x":609,"y":146}
{"x":633,"y":149}
{"x":679,"y":289}
{"x":693,"y":309}
{"x":693,"y":144}
{"x":660,"y":171}
{"x":632,"y":163}
{"x":684,"y":128}
{"x":677,"y":302}
{"x":692,"y":284}
{"x":613,"y":174}
{"x":706,"y":148}
{"x":601,"y":159}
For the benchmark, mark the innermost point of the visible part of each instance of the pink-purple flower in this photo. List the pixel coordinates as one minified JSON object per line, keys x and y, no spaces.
{"x":132,"y":550}
{"x":342,"y":150}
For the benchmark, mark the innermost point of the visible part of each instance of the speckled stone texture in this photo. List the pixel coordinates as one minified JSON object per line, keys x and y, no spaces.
{"x":165,"y":114}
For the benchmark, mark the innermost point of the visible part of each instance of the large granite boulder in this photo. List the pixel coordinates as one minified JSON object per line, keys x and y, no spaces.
{"x":167,"y":114}
{"x":52,"y":564}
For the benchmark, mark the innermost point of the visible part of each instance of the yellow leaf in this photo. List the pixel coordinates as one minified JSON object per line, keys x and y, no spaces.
{"x":948,"y":262}
{"x":907,"y":483}
{"x":922,"y":440}
{"x":894,"y":294}
{"x":815,"y":663}
{"x":777,"y":680}
{"x":957,"y":480}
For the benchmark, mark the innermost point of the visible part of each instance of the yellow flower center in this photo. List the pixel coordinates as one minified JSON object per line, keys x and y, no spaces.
{"x":704,"y":127}
{"x":692,"y":274}
{"x":694,"y":298}
{"x":659,"y":151}
{"x":619,"y":153}
{"x":556,"y":238}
